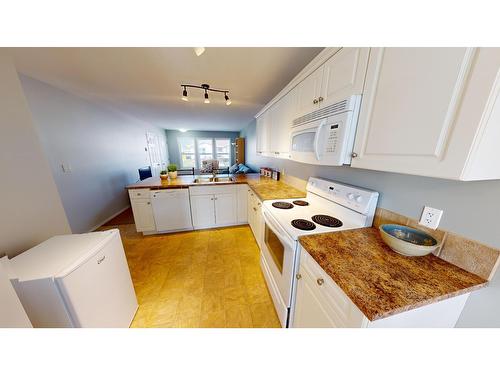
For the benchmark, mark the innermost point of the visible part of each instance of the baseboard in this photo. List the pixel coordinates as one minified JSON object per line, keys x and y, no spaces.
{"x":109,"y":218}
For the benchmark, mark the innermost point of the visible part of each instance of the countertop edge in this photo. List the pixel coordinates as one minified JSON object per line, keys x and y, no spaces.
{"x":423,"y":303}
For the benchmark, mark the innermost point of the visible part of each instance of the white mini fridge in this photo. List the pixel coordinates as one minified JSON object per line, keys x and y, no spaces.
{"x":76,"y":280}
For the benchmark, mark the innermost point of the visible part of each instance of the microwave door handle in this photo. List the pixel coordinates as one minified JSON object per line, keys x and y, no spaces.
{"x":317,"y":137}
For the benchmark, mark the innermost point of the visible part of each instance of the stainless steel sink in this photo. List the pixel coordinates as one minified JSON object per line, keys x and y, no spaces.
{"x":205,"y":180}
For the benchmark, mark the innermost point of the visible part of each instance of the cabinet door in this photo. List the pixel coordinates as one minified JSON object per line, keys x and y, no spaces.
{"x":262,"y":132}
{"x":203,"y":211}
{"x":309,"y":310}
{"x":251,"y":210}
{"x":225,"y":209}
{"x":242,"y":204}
{"x":308,"y":92}
{"x":344,"y":75}
{"x":143,"y":215}
{"x":411,"y":99}
{"x":282,"y":115}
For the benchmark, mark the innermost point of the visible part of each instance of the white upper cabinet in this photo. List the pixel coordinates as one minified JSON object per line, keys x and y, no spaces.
{"x":282,"y":115}
{"x":262,"y":132}
{"x":343,"y":75}
{"x":308,"y":92}
{"x":431,"y":112}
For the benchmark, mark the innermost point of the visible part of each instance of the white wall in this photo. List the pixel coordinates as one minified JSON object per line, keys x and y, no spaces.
{"x":104,"y":149}
{"x":30,"y":208}
{"x":471,"y":209}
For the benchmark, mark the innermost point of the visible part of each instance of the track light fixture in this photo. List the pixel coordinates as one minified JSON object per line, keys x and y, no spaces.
{"x":206,"y":88}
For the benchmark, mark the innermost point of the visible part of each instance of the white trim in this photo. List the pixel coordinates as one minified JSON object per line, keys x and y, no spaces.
{"x":315,"y":63}
{"x":109,"y":218}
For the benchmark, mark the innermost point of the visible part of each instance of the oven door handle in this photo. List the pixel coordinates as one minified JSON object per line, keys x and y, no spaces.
{"x":282,"y":237}
{"x":317,"y":138}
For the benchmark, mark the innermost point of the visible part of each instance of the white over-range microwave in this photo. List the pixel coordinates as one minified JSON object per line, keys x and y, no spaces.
{"x":326,"y":136}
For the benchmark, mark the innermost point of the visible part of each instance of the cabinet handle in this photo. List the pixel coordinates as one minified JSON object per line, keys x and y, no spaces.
{"x":258,"y":204}
{"x":320,"y":281}
{"x":149,"y":202}
{"x":315,"y":101}
{"x":298,"y":276}
{"x":354,"y":155}
{"x":211,"y":199}
{"x":320,"y":99}
{"x":138,"y":193}
{"x":254,"y":209}
{"x":99,"y":261}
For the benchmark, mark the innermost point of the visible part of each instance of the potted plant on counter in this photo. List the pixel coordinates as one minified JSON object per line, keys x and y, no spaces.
{"x":163,"y":175}
{"x":172,"y":171}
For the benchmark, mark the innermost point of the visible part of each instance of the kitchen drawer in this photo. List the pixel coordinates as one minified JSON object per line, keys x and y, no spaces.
{"x":341,"y":309}
{"x":138,"y":193}
{"x":207,"y":190}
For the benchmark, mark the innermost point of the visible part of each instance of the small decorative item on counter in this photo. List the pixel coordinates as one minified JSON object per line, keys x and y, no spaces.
{"x":276,"y":175}
{"x":163,"y":175}
{"x":172,"y":171}
{"x":269,"y":172}
{"x":262,"y":171}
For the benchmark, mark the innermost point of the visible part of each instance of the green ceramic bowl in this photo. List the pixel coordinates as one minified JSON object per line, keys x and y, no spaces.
{"x":408,"y":241}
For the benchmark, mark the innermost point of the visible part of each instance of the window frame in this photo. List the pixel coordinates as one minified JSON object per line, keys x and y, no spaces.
{"x":194,"y":153}
{"x":197,"y":154}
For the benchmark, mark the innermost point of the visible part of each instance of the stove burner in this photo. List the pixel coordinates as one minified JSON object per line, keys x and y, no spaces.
{"x":283,"y":205}
{"x":303,"y":224}
{"x":327,"y":221}
{"x":301,"y":203}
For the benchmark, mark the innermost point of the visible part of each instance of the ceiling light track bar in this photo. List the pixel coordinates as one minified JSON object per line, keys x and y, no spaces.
{"x":205,"y":87}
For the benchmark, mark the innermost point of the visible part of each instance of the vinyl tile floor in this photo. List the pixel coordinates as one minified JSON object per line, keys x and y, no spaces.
{"x":206,"y":278}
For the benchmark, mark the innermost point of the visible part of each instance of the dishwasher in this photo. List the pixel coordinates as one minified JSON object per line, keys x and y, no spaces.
{"x":171,"y":210}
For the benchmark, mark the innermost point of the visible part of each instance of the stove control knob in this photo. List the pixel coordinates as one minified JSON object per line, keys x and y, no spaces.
{"x":350,"y":196}
{"x":359,"y":198}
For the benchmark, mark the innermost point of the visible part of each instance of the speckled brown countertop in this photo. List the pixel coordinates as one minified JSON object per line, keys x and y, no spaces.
{"x":381,"y":282}
{"x":265,"y":187}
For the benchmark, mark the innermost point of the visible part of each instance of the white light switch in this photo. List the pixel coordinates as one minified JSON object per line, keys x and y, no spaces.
{"x":431,"y":217}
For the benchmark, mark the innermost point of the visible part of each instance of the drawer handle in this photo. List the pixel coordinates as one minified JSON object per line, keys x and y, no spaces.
{"x":298,"y":276}
{"x":149,"y":202}
{"x":138,"y":193}
{"x":254,"y":209}
{"x":320,"y":282}
{"x":99,"y":261}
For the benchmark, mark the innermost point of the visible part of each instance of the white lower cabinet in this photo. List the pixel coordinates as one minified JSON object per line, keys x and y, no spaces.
{"x":214,"y":206}
{"x":255,"y":219}
{"x":321,"y":303}
{"x":142,"y":210}
{"x":203,"y":211}
{"x":242,"y":204}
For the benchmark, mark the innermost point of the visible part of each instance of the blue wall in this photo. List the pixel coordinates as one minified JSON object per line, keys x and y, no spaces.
{"x":173,"y":146}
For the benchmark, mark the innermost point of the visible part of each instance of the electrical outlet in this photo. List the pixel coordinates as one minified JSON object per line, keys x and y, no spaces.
{"x":431,"y":217}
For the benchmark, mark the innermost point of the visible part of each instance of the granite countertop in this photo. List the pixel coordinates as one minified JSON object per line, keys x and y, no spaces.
{"x":381,"y":282}
{"x":265,"y":187}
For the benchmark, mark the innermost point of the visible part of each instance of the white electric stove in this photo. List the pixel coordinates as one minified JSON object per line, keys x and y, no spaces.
{"x":328,"y":207}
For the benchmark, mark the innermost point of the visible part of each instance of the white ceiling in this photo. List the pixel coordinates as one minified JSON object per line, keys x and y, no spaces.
{"x":145,"y":82}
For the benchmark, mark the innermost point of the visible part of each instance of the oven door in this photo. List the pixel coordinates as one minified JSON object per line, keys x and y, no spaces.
{"x":279,"y":251}
{"x":321,"y":142}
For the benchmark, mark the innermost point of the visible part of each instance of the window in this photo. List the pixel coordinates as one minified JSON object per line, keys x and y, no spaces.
{"x":205,"y":150}
{"x":193,"y":152}
{"x":187,"y":152}
{"x":223,"y":152}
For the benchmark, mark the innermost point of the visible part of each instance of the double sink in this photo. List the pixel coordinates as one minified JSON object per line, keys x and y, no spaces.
{"x":205,"y":180}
